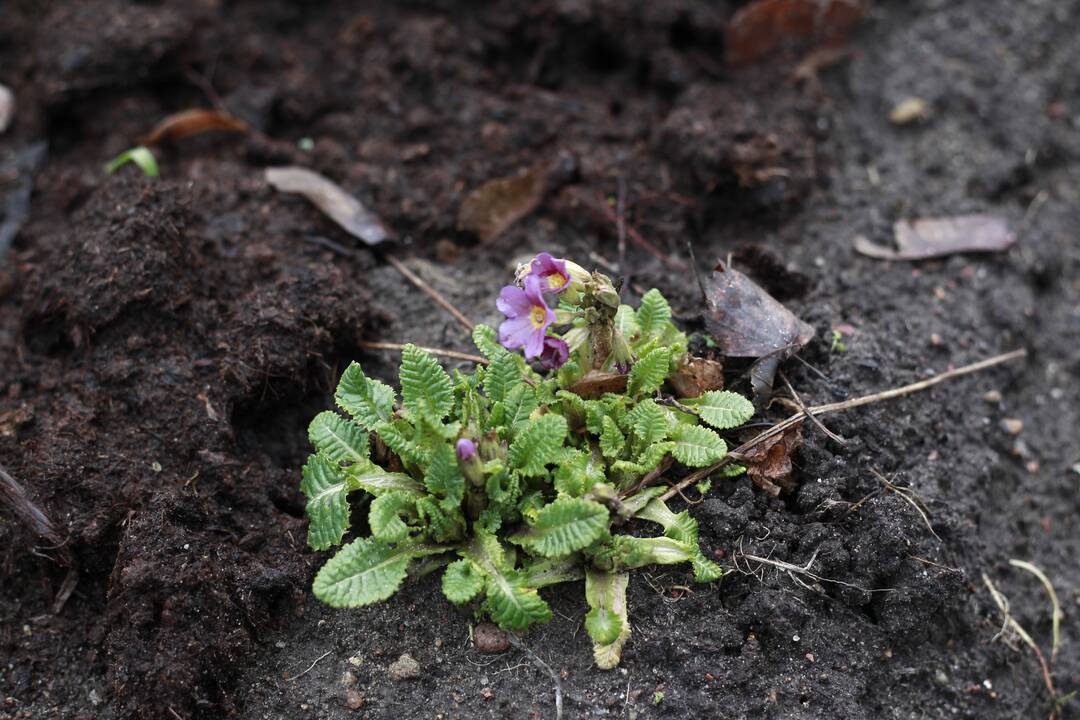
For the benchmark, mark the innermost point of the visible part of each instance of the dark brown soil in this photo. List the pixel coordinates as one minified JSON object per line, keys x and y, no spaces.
{"x":163,"y":344}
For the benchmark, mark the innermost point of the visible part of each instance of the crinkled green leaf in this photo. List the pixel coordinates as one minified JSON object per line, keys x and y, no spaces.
{"x":648,"y":421}
{"x":697,"y":446}
{"x":654,"y":313}
{"x":649,"y":373}
{"x":363,"y":572}
{"x":338,"y":439}
{"x":565,"y":526}
{"x":654,"y":454}
{"x":372,"y":478}
{"x":576,"y":475}
{"x":722,"y":409}
{"x":732,"y":470}
{"x":369,"y":401}
{"x":462,"y":581}
{"x":626,"y":322}
{"x":611,"y":439}
{"x":607,"y":622}
{"x":486,"y":340}
{"x":502,"y":376}
{"x":394,"y":437}
{"x":384,"y":516}
{"x":551,"y":571}
{"x":626,"y":552}
{"x":425,"y":387}
{"x":518,"y":406}
{"x":442,"y":526}
{"x":325,"y":487}
{"x":443,"y":478}
{"x":512,"y":605}
{"x":536,"y":444}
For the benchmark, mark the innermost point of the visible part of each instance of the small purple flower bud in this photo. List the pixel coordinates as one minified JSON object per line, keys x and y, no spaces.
{"x":555,"y":353}
{"x":466,"y":448}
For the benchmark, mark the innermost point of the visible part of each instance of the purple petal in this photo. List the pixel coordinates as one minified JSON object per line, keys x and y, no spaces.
{"x":534,"y":290}
{"x":534,"y":345}
{"x":555,"y":353}
{"x":551,"y":271}
{"x":466,"y":448}
{"x":513,"y":301}
{"x":515,"y":332}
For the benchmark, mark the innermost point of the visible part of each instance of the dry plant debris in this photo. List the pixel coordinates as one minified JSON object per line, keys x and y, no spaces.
{"x":935,"y":237}
{"x":187,"y":123}
{"x":760,"y":27}
{"x":338,"y":205}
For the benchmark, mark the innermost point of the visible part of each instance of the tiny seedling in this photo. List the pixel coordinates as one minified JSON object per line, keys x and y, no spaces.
{"x":514,"y":477}
{"x":838,"y":344}
{"x":139,"y":155}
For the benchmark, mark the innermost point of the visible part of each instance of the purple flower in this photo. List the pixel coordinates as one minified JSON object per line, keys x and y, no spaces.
{"x":466,"y":448}
{"x":527,"y":317}
{"x":555,"y":353}
{"x":552,"y":272}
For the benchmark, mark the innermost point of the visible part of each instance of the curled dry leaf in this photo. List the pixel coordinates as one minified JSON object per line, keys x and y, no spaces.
{"x":595,"y":383}
{"x":769,"y":463}
{"x":490,"y":209}
{"x":192,"y":122}
{"x":758,"y":28}
{"x":7,"y":107}
{"x":338,"y":205}
{"x":747,"y":322}
{"x":696,"y":376}
{"x":935,"y":237}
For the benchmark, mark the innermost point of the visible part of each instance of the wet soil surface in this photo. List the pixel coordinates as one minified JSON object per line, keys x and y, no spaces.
{"x":164,"y":343}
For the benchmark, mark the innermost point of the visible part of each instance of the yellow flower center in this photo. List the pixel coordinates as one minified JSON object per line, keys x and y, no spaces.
{"x":555,"y":281}
{"x":537,"y":317}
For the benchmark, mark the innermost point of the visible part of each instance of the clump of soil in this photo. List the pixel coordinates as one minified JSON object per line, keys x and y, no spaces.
{"x":165,"y":343}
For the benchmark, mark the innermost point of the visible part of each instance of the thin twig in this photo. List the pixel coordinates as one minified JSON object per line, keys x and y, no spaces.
{"x":620,"y":223}
{"x":635,"y":237}
{"x":1010,"y":621}
{"x":431,"y":292}
{"x":798,"y":417}
{"x":547,"y":668}
{"x":370,"y":345}
{"x":910,"y":500}
{"x":1054,"y":604}
{"x":311,"y":666}
{"x":804,"y":409}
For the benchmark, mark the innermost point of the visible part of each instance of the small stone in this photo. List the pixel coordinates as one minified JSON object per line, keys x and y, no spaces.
{"x":353,"y":699}
{"x":404,"y":668}
{"x":438,"y":643}
{"x":993,"y":397}
{"x":908,"y":111}
{"x":487,"y":693}
{"x":810,"y":657}
{"x":348,"y":679}
{"x":355,"y":661}
{"x":1012,"y":426}
{"x":488,"y":638}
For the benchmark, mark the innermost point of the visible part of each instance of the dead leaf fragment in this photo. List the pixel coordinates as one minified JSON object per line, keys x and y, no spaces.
{"x":696,"y":376}
{"x":935,"y":237}
{"x":746,"y":321}
{"x":908,"y":111}
{"x":769,"y":464}
{"x":192,"y":122}
{"x":338,"y":205}
{"x":7,"y":108}
{"x":595,"y":383}
{"x":758,"y":28}
{"x":490,"y":209}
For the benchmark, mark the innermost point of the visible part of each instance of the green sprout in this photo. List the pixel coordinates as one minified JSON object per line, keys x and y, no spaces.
{"x":516,"y":479}
{"x":658,"y":697}
{"x":838,"y":344}
{"x":140,"y":155}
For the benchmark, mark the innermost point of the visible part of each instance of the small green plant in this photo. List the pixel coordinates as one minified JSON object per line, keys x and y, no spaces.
{"x":139,"y":155}
{"x":658,"y":697}
{"x":516,"y":479}
{"x":838,"y":345}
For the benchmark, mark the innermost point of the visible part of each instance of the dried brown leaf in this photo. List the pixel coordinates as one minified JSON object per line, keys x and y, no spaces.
{"x":935,"y":237}
{"x":192,"y":122}
{"x":769,"y":463}
{"x":696,"y":376}
{"x":595,"y":383}
{"x":758,"y":28}
{"x":338,"y":205}
{"x":493,"y":207}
